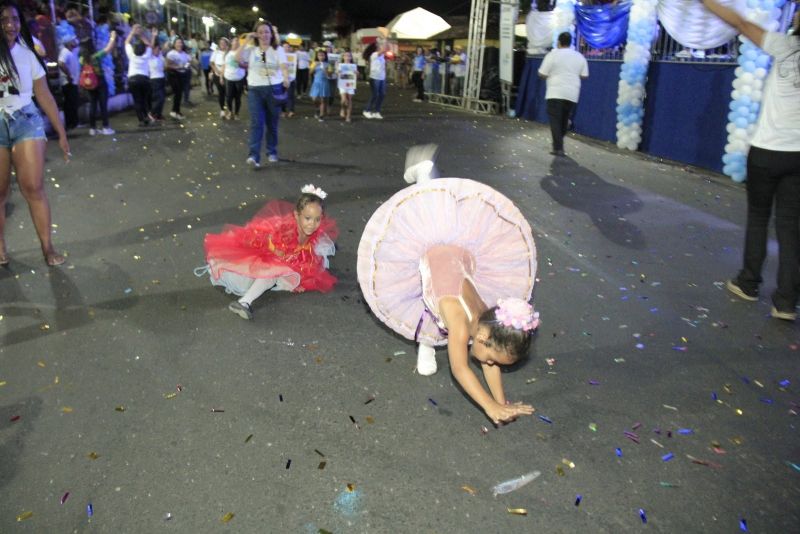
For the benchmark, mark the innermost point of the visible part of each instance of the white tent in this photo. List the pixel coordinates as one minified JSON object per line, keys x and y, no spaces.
{"x":417,"y":24}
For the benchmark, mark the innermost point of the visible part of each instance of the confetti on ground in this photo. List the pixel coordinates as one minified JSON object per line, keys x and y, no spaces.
{"x":667,"y":457}
{"x":545,"y":419}
{"x":322,"y":465}
{"x":248,"y":438}
{"x":64,"y":497}
{"x":93,"y":455}
{"x":15,"y":418}
{"x":578,"y":499}
{"x":318,"y":452}
{"x":288,"y":463}
{"x":217,"y":410}
{"x":668,"y":485}
{"x":469,"y":489}
{"x":593,"y":427}
{"x":167,"y":516}
{"x":66,"y":409}
{"x":171,"y":395}
{"x":619,"y":452}
{"x":25,"y":515}
{"x":642,"y":515}
{"x":227,"y":517}
{"x":518,"y":511}
{"x":120,"y":408}
{"x":515,"y":483}
{"x":89,"y":510}
{"x":743,"y":525}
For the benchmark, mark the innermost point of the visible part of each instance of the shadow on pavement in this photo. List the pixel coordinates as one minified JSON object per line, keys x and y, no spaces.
{"x":14,"y":432}
{"x":578,"y":188}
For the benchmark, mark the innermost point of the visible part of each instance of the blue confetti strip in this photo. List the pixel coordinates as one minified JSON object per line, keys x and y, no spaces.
{"x":89,"y":510}
{"x":619,"y":452}
{"x":667,"y":457}
{"x":643,"y":515}
{"x":546,"y":419}
{"x":432,"y":401}
{"x":578,"y":499}
{"x":743,"y":525}
{"x":685,"y":431}
{"x":784,"y":383}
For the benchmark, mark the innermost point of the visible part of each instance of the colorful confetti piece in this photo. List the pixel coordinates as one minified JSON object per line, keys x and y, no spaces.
{"x":517,"y":511}
{"x":25,"y":515}
{"x":64,"y":497}
{"x":469,"y":489}
{"x":227,"y":517}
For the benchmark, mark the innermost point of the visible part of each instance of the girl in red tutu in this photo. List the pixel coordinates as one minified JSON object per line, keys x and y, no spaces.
{"x":283,"y":247}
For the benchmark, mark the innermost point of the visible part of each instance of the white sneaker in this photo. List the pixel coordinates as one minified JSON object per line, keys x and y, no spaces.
{"x":92,"y":132}
{"x":272,"y":158}
{"x":176,"y":116}
{"x":367,"y":114}
{"x":377,"y":115}
{"x":107,"y":131}
{"x":251,"y":161}
{"x":223,"y":114}
{"x":426,"y":360}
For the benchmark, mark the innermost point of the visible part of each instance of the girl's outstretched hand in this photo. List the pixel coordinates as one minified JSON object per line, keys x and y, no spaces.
{"x":500,"y":413}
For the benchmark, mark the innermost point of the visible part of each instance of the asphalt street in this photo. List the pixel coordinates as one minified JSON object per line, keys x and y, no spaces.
{"x":125,"y":383}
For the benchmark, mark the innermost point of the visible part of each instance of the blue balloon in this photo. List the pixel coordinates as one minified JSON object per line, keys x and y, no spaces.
{"x":762,"y":61}
{"x":749,"y":66}
{"x":741,"y":122}
{"x":745,"y":100}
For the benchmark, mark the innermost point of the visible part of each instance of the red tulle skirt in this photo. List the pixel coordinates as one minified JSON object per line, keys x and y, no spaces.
{"x":267,"y":247}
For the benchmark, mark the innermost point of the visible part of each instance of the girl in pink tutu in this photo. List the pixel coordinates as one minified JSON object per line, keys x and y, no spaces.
{"x":283,"y":247}
{"x":453,"y":261}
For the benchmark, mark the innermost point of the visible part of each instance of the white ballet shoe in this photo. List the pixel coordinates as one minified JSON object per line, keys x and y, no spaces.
{"x":426,"y":360}
{"x":421,"y":163}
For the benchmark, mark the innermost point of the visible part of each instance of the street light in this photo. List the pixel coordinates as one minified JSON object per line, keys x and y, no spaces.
{"x":255,"y":9}
{"x":233,"y":30}
{"x":162,"y":2}
{"x":142,"y":2}
{"x":174,"y":19}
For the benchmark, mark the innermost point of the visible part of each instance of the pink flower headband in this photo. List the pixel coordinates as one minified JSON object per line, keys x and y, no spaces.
{"x":517,"y":314}
{"x":313,"y":190}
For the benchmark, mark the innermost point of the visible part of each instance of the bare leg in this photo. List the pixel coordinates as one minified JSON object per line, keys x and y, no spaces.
{"x":5,"y":189}
{"x":28,"y":160}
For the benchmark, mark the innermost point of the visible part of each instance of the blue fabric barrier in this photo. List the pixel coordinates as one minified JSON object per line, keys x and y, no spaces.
{"x":686,"y":112}
{"x":603,"y":26}
{"x":686,"y":108}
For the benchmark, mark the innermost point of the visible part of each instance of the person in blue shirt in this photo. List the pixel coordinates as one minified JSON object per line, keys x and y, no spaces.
{"x":205,"y":64}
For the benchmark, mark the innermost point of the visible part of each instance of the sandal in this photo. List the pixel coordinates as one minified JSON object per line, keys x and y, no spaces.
{"x":54,"y":259}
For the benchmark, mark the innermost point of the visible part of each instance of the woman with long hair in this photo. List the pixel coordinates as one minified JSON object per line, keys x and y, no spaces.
{"x":267,"y":87}
{"x":178,"y":65}
{"x":234,"y":80}
{"x":22,"y":135}
{"x":773,"y":167}
{"x":98,"y":96}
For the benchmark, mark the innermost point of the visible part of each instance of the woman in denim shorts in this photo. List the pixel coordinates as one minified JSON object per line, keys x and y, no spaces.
{"x":22,"y":137}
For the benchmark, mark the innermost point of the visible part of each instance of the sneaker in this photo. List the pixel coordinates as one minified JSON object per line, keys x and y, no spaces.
{"x":92,"y":132}
{"x":784,"y":315}
{"x":223,"y":114}
{"x":426,"y":360}
{"x":107,"y":131}
{"x":152,"y":117}
{"x":367,"y":114}
{"x":273,"y":158}
{"x":731,"y":286}
{"x":417,"y":100}
{"x":320,"y":119}
{"x":251,"y":161}
{"x":377,"y":115}
{"x":241,"y":309}
{"x":176,"y":116}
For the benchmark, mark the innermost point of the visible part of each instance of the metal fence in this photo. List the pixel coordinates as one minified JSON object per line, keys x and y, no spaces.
{"x":667,"y":49}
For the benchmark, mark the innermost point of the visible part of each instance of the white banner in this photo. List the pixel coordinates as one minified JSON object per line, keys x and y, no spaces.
{"x":508,"y":18}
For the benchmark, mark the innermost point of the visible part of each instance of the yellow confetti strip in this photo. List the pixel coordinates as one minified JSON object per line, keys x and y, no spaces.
{"x":170,"y":395}
{"x":351,"y":488}
{"x":93,"y":455}
{"x":569,"y":463}
{"x":517,"y":511}
{"x":739,"y":411}
{"x":66,"y":409}
{"x":469,"y":489}
{"x":560,"y":470}
{"x":24,"y":515}
{"x":41,"y":364}
{"x":738,"y":440}
{"x":2,"y":383}
{"x":120,"y":408}
{"x":56,"y":380}
{"x":44,"y":326}
{"x":369,"y":419}
{"x":227,"y":517}
{"x":322,"y":465}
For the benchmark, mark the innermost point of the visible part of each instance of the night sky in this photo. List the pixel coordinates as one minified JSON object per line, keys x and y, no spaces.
{"x":306,"y":16}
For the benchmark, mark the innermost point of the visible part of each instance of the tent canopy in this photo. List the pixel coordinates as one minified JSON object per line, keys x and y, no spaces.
{"x":417,"y":24}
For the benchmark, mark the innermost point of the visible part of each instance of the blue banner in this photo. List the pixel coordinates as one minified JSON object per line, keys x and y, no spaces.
{"x":603,"y":26}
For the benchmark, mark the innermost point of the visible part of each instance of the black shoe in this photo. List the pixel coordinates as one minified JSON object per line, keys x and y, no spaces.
{"x":242,"y":310}
{"x":558,"y":153}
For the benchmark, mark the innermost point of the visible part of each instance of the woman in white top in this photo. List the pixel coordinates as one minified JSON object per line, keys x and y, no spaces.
{"x":157,"y":83}
{"x":773,"y":167}
{"x":22,"y":136}
{"x":139,"y":55}
{"x":218,"y":74}
{"x":377,"y":83}
{"x":178,"y":64}
{"x":267,"y":88}
{"x":234,"y":80}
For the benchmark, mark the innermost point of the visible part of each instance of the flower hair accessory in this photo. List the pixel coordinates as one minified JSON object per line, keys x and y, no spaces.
{"x":313,"y":190}
{"x":517,"y":314}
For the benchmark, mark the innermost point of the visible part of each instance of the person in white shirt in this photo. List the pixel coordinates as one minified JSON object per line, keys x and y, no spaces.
{"x":178,"y":65}
{"x":157,"y":83}
{"x":139,"y":55}
{"x":773,"y":167}
{"x":234,"y":80}
{"x":303,"y":61}
{"x":563,"y":68}
{"x":22,"y":136}
{"x":217,"y":64}
{"x":377,"y":83}
{"x":69,"y":66}
{"x":267,"y":88}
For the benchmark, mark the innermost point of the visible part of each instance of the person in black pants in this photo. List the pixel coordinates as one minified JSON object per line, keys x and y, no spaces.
{"x":139,"y":55}
{"x":563,"y":68}
{"x":773,"y":168}
{"x":69,"y":65}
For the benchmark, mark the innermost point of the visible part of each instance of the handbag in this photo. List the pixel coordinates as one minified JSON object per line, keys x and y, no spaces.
{"x":283,"y":96}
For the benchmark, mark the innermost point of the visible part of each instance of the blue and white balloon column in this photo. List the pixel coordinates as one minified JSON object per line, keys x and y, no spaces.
{"x":563,"y":20}
{"x":747,"y":89}
{"x":630,"y":97}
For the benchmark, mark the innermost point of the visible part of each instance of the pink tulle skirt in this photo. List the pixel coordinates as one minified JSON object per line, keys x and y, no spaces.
{"x":453,"y":211}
